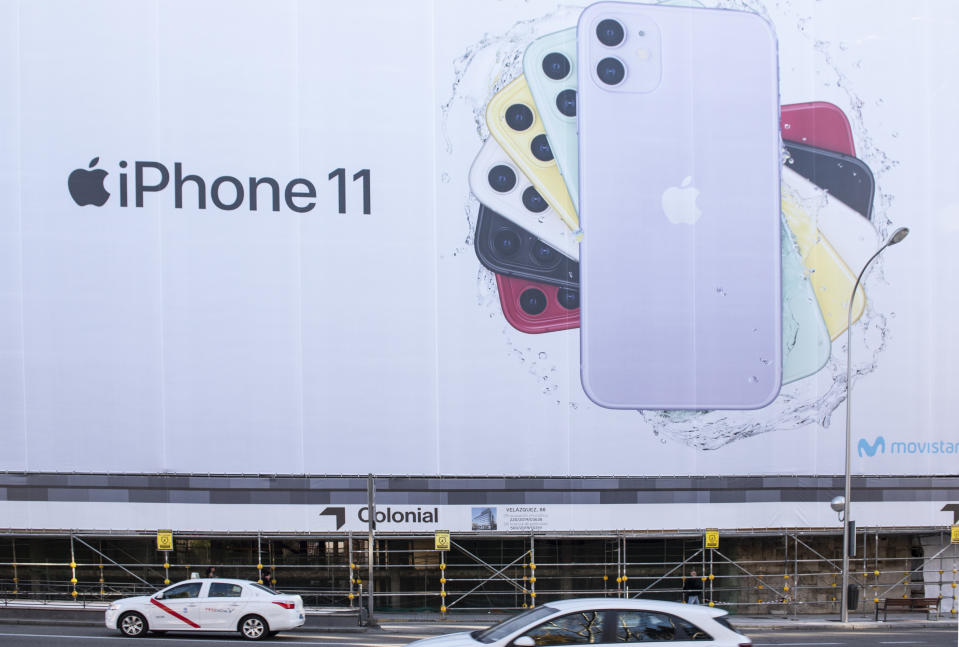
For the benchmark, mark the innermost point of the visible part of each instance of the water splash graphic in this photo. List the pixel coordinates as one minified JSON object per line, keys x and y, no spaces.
{"x":496,"y":59}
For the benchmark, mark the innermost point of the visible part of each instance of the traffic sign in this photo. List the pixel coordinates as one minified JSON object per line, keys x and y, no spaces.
{"x":712,"y":538}
{"x":164,"y":540}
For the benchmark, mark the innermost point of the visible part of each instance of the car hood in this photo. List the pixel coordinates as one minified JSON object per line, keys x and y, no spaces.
{"x":461,"y":639}
{"x":140,"y":599}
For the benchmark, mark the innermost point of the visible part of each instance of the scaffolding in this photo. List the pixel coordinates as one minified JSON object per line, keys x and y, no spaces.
{"x":777,"y":572}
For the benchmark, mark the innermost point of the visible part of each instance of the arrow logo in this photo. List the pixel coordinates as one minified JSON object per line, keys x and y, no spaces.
{"x":339,"y":513}
{"x":954,"y":509}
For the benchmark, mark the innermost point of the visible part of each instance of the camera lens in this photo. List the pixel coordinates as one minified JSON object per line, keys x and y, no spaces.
{"x":506,"y":242}
{"x":610,"y":33}
{"x":556,"y":66}
{"x":566,"y":102}
{"x":532,"y":301}
{"x":502,"y":178}
{"x":533,"y":201}
{"x":568,"y":298}
{"x":519,"y":117}
{"x":540,"y":148}
{"x":543,"y":253}
{"x":611,"y":71}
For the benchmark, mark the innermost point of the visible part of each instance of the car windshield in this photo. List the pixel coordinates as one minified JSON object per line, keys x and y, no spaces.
{"x":263,"y":588}
{"x":508,"y":626}
{"x":724,"y":621}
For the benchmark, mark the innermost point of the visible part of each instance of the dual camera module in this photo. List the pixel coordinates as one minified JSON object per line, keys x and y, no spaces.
{"x":519,"y":118}
{"x":610,"y":33}
{"x":533,"y":301}
{"x":508,"y":243}
{"x":557,"y":67}
{"x":503,"y":179}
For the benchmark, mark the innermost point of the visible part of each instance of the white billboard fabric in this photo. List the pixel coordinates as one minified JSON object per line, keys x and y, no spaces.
{"x":242,"y":238}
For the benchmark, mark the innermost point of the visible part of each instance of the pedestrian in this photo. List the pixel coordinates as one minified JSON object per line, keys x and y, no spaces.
{"x":268,"y":580}
{"x":693,"y":589}
{"x":210,"y":572}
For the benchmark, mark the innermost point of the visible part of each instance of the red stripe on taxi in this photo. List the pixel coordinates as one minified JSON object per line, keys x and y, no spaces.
{"x":175,"y":614}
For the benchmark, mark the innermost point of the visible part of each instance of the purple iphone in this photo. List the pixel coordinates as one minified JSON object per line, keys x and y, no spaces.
{"x":679,"y":161}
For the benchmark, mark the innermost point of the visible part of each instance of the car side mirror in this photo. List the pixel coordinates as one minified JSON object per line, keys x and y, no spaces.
{"x":524,"y":641}
{"x":158,"y":596}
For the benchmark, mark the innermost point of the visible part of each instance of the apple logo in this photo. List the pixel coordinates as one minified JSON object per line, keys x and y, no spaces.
{"x":679,"y":203}
{"x":86,"y":187}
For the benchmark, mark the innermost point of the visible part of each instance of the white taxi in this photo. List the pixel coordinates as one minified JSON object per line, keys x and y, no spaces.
{"x":208,"y":605}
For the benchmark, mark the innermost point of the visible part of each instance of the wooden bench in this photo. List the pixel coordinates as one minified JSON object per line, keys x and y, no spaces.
{"x":907,"y":604}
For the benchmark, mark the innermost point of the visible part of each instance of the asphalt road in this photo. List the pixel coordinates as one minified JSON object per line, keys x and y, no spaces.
{"x":402,"y":633}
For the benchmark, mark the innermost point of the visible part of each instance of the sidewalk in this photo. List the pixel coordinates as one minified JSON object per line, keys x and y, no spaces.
{"x":346,"y":620}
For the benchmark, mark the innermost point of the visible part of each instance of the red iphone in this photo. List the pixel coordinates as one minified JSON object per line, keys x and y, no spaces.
{"x":817,"y":123}
{"x":534,"y":307}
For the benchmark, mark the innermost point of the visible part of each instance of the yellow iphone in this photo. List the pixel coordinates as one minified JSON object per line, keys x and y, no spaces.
{"x":514,"y":122}
{"x":831,"y":278}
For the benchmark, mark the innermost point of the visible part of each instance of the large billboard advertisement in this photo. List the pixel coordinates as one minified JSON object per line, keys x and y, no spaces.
{"x":513,"y":238}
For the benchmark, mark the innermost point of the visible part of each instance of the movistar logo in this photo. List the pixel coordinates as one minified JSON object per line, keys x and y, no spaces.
{"x":903,"y":447}
{"x":870,"y":449}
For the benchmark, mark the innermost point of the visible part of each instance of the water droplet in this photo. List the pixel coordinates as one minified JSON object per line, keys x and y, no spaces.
{"x":542,"y":355}
{"x":764,"y":361}
{"x":755,"y":330}
{"x":753,"y":379}
{"x":445,"y":178}
{"x":786,"y":126}
{"x":720,"y":291}
{"x":573,"y":406}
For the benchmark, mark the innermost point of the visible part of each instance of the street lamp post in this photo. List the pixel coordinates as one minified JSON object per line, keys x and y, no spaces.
{"x":896,"y":237}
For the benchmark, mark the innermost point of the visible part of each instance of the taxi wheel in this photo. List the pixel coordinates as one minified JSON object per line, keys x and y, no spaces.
{"x":132,"y":624}
{"x":254,"y":628}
